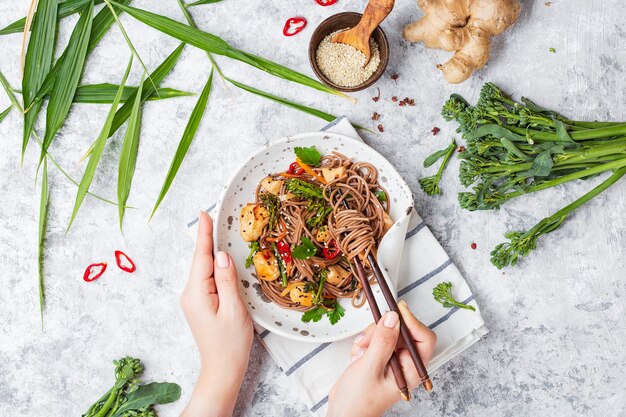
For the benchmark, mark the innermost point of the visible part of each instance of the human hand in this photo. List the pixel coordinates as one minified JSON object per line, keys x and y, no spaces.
{"x":367,"y":388}
{"x":220,"y":324}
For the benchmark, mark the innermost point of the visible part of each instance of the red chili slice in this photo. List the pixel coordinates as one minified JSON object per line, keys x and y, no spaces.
{"x":325,"y":2}
{"x":94,"y":271}
{"x":294,"y":25}
{"x":124,"y":262}
{"x":332,"y":251}
{"x":284,"y":250}
{"x":295,"y":169}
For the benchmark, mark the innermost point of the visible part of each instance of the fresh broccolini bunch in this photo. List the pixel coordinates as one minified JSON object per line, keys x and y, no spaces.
{"x":128,"y":398}
{"x":517,"y":148}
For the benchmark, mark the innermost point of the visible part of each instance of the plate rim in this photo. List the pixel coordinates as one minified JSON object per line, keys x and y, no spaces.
{"x":218,"y":209}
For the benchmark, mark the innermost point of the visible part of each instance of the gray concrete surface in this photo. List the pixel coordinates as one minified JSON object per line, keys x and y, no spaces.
{"x":557,"y":320}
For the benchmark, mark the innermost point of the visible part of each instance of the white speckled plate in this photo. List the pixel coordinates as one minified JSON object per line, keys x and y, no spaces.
{"x":276,"y":157}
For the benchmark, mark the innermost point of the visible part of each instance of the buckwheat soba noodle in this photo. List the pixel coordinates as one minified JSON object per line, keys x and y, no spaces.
{"x":303,"y":237}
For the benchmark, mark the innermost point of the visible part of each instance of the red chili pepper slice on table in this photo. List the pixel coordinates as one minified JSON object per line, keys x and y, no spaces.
{"x":294,"y":25}
{"x":331,"y":251}
{"x":124,"y":262}
{"x":295,"y":169}
{"x":284,"y":250}
{"x":94,"y":271}
{"x":325,"y":2}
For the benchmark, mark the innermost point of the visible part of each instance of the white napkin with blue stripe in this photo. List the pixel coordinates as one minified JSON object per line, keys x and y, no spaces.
{"x":313,"y":369}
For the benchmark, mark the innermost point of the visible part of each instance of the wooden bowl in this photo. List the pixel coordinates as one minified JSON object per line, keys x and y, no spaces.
{"x":343,"y":21}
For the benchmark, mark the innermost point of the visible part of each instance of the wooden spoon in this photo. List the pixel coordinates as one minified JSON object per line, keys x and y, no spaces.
{"x":359,"y":36}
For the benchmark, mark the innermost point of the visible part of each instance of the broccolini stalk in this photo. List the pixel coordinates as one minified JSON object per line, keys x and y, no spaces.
{"x":443,"y":295}
{"x":430,"y":185}
{"x":126,"y":372}
{"x":304,"y":190}
{"x":522,"y":243}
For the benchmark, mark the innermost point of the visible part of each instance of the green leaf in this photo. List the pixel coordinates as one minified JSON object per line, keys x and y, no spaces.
{"x":38,"y":61}
{"x":147,"y":90}
{"x":185,"y":141}
{"x":100,"y":26}
{"x":105,"y":93}
{"x":512,"y":148}
{"x":43,"y":217}
{"x":335,"y":314}
{"x":431,"y":159}
{"x":561,"y":132}
{"x":157,"y":77}
{"x":381,"y":196}
{"x":200,"y":2}
{"x":5,"y":113}
{"x":66,"y":8}
{"x":541,"y":167}
{"x":128,"y":155}
{"x":149,"y":394}
{"x":66,"y":81}
{"x":309,"y":110}
{"x":313,"y":315}
{"x":309,"y":156}
{"x":304,"y":250}
{"x":495,"y":131}
{"x":254,"y":248}
{"x":214,"y":44}
{"x":94,"y":159}
{"x":16,"y":104}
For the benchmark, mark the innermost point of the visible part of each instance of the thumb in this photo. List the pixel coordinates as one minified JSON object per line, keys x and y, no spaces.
{"x":226,"y":280}
{"x":384,"y":341}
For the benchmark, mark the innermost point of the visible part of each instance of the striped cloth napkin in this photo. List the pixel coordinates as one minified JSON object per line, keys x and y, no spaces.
{"x":424,"y":264}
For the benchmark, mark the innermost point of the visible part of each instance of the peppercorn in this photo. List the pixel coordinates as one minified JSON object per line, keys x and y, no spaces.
{"x":375,"y":116}
{"x":461,"y":149}
{"x":381,"y":128}
{"x":435,"y":130}
{"x":473,"y":245}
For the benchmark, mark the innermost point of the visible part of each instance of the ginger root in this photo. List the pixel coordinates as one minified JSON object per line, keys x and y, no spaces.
{"x":462,"y":26}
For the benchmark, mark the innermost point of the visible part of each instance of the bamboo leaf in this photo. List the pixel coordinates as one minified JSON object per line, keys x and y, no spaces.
{"x":39,"y":56}
{"x":43,"y":217}
{"x":309,"y":110}
{"x":5,"y":113}
{"x":66,"y":81}
{"x":127,"y":39}
{"x":105,"y":93}
{"x":92,"y":165}
{"x":16,"y":104}
{"x":214,"y":44}
{"x":100,"y":26}
{"x":157,"y":76}
{"x":200,"y":2}
{"x":128,"y":154}
{"x":66,"y":8}
{"x":185,"y":141}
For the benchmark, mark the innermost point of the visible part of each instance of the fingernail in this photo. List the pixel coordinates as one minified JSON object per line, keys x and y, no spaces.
{"x":391,"y":319}
{"x":357,"y":355}
{"x":222,"y":260}
{"x":359,"y":338}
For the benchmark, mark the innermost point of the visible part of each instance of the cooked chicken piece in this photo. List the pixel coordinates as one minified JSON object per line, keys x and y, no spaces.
{"x":336,"y":274}
{"x":286,"y":197}
{"x":331,"y":174}
{"x":253,"y":218}
{"x":271,"y":185}
{"x":266,"y":265}
{"x":323,"y":235}
{"x":388,"y":221}
{"x":297,"y":295}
